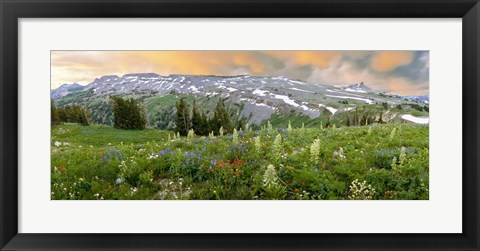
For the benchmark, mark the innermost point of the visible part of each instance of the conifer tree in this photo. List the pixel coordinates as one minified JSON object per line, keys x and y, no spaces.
{"x":54,"y":116}
{"x":205,"y":124}
{"x":196,"y":120}
{"x":183,"y":117}
{"x":128,"y":114}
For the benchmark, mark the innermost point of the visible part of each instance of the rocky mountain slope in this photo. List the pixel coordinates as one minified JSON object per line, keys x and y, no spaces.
{"x":259,"y":97}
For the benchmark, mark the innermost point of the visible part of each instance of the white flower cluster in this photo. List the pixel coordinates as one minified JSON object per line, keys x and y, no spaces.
{"x":270,"y":177}
{"x":392,"y":134}
{"x":269,"y":126}
{"x":133,"y":190}
{"x":402,"y":156}
{"x":153,"y":156}
{"x":277,"y":146}
{"x":361,"y":191}
{"x":258,"y":144}
{"x":174,"y":189}
{"x":58,"y":144}
{"x":211,"y":135}
{"x":191,"y":134}
{"x":98,"y":196}
{"x":235,"y":137}
{"x":315,"y":151}
{"x":397,"y":168}
{"x":220,"y":131}
{"x":339,"y":153}
{"x":289,"y":129}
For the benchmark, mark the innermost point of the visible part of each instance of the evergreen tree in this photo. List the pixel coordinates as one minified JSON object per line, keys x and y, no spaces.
{"x":196,"y":120}
{"x":221,"y":118}
{"x":204,"y":125}
{"x":128,"y":114}
{"x":54,"y":116}
{"x":69,"y":114}
{"x":183,"y":117}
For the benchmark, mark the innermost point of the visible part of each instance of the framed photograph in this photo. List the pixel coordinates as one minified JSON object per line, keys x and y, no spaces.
{"x":229,"y":125}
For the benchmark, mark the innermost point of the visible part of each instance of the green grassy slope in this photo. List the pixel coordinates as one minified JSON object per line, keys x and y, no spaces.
{"x":100,"y":162}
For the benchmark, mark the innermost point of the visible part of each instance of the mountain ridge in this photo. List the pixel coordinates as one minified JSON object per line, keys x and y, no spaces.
{"x":259,"y":97}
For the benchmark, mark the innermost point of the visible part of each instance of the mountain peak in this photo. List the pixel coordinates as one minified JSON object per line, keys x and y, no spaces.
{"x":359,"y":87}
{"x":65,"y":89}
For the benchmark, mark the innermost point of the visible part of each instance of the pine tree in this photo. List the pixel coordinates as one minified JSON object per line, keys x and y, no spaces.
{"x":54,"y":116}
{"x":196,"y":120}
{"x":221,"y":118}
{"x":183,"y":117}
{"x":128,"y":114}
{"x":205,"y":125}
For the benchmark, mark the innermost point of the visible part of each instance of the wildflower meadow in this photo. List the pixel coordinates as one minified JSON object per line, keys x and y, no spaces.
{"x":370,"y":162}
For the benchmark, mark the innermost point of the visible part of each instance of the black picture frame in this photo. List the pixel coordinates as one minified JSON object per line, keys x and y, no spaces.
{"x":11,"y":11}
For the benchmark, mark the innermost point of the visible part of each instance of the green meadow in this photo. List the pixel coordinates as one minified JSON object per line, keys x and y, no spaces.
{"x":378,"y":161}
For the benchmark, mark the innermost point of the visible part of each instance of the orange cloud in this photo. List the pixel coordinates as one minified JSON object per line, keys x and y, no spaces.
{"x":328,"y":67}
{"x":320,"y":59}
{"x":389,"y":60}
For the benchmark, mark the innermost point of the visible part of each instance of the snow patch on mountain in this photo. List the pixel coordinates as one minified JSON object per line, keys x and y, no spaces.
{"x":301,"y":90}
{"x":260,"y":92}
{"x":330,"y":109}
{"x":285,"y":99}
{"x":368,"y":101}
{"x":418,"y":120}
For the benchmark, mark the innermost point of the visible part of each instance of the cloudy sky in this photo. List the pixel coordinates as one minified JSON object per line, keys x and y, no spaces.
{"x":402,"y":72}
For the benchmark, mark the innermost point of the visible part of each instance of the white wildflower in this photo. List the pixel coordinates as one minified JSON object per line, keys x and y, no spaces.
{"x":361,"y":190}
{"x":191,"y":134}
{"x":315,"y":151}
{"x":339,"y":153}
{"x":402,"y":156}
{"x":392,"y":134}
{"x":270,"y":176}
{"x":235,"y":137}
{"x":119,"y":181}
{"x":277,"y":146}
{"x":258,"y":144}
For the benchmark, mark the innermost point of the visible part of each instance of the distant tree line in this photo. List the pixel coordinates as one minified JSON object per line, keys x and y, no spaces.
{"x":68,"y":114}
{"x":163,"y":118}
{"x":202,"y":124}
{"x":364,"y":116}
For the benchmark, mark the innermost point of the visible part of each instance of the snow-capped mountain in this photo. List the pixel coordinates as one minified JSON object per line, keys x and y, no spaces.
{"x":360,"y":88}
{"x":65,"y":89}
{"x":259,"y":96}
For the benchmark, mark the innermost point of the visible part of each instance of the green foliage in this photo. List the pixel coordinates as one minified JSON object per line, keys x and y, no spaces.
{"x":221,"y":118}
{"x":182,"y":124}
{"x":163,"y":118}
{"x":101,"y":162}
{"x":54,"y":116}
{"x":128,"y":114}
{"x":69,"y":114}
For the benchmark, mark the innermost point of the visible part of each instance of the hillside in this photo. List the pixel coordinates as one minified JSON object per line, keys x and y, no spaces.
{"x":379,"y":162}
{"x":257,"y":98}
